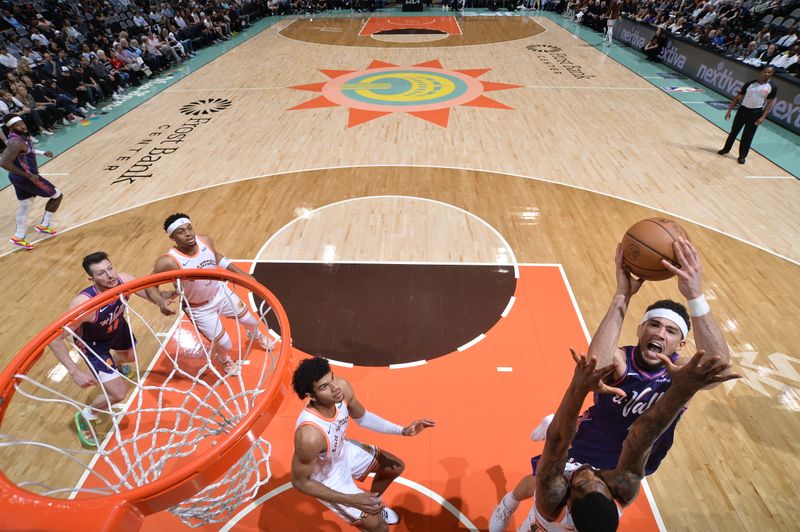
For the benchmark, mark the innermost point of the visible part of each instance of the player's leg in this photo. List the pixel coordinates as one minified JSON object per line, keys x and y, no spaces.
{"x":389,"y":468}
{"x":510,"y":502}
{"x":24,"y":190}
{"x":233,"y":307}
{"x":738,"y":124}
{"x":207,"y":320}
{"x":50,"y":208}
{"x":373,"y":523}
{"x":364,"y":459}
{"x":113,"y":390}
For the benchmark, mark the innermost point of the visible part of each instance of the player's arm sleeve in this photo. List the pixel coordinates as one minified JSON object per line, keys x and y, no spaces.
{"x":378,"y":424}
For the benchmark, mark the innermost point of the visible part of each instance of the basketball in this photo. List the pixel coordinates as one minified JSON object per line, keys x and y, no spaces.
{"x":647,"y":242}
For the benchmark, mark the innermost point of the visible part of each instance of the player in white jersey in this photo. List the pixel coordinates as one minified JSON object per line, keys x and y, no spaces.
{"x":207,"y":300}
{"x":578,"y":497}
{"x":326,"y":463}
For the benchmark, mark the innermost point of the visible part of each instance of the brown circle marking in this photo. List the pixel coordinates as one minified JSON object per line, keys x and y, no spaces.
{"x":475,"y":30}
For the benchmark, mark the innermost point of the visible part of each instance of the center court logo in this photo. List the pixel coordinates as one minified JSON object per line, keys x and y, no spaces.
{"x":206,"y":107}
{"x":557,"y":61}
{"x":425,"y":90}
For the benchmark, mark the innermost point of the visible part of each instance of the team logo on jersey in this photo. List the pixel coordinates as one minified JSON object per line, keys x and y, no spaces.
{"x":206,"y":107}
{"x":425,"y":90}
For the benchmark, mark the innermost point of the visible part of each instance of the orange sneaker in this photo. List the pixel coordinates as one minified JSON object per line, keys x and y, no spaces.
{"x":21,"y":242}
{"x":45,"y":229}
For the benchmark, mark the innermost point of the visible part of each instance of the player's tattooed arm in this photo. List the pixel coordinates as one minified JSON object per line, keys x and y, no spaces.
{"x":687,"y":380}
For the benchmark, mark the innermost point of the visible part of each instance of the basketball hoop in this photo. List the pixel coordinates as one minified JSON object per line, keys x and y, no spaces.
{"x":187,"y":440}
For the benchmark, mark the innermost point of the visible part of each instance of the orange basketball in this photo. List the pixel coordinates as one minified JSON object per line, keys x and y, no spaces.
{"x":646,"y":243}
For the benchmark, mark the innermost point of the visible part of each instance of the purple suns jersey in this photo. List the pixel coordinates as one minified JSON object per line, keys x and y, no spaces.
{"x":27,"y":160}
{"x":603,"y":426}
{"x":106,"y":325}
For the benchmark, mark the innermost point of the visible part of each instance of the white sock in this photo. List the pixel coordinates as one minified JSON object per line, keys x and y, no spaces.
{"x":510,"y":502}
{"x":89,"y":414}
{"x":22,"y":218}
{"x":47,"y":218}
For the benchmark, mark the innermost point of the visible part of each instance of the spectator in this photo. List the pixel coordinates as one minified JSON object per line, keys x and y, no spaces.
{"x":653,"y":49}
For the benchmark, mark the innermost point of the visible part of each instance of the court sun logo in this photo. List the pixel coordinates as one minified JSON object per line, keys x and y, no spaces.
{"x":206,"y":107}
{"x":426,"y":91}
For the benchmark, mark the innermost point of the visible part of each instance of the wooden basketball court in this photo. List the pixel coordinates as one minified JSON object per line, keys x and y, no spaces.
{"x":504,"y":161}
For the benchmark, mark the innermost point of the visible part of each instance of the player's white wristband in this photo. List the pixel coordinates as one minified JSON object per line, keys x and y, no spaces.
{"x":698,"y":306}
{"x":224,"y":262}
{"x":38,"y":152}
{"x":378,"y":424}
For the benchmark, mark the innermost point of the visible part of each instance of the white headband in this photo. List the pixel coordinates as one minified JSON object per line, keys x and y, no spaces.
{"x":670,"y":315}
{"x":177,"y":223}
{"x":13,"y":121}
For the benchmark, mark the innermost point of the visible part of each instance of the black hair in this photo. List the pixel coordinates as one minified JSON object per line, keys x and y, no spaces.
{"x":594,"y":512}
{"x":307,"y":373}
{"x":8,"y":117}
{"x":93,"y":258}
{"x":172,"y":217}
{"x":675,"y":307}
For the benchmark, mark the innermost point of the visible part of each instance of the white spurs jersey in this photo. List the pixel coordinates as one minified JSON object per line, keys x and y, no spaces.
{"x":333,"y":429}
{"x":201,"y":291}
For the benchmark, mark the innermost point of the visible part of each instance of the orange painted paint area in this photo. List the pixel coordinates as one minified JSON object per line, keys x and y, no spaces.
{"x":374,"y":25}
{"x":456,"y":472}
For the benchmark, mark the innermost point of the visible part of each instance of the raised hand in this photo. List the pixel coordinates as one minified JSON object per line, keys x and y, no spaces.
{"x":627,"y":284}
{"x":367,"y":502}
{"x":691,"y":271}
{"x":588,"y":378}
{"x":417,"y":426}
{"x":83,"y":379}
{"x":696,"y":375}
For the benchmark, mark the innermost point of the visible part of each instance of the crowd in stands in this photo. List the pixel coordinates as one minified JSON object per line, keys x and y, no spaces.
{"x":757,"y":32}
{"x":60,"y":60}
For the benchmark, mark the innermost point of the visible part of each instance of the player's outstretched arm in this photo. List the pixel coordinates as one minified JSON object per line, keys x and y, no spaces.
{"x":59,"y":348}
{"x":698,"y":373}
{"x":603,"y":346}
{"x":708,"y":335}
{"x":551,"y":487}
{"x":164,"y":263}
{"x":308,"y":443}
{"x":373,"y":422}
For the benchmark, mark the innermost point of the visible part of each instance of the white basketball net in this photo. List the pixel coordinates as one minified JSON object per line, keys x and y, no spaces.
{"x":179,"y":406}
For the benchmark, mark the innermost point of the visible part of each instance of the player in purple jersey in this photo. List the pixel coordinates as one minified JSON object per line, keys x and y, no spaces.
{"x":638,"y":371}
{"x":576,"y":496}
{"x":98,"y":333}
{"x":19,"y":158}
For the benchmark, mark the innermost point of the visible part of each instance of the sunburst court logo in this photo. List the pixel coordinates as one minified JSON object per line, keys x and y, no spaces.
{"x":426,"y":90}
{"x":206,"y":107}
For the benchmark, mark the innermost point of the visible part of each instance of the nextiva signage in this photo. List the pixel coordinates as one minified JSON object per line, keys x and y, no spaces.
{"x":714,"y":71}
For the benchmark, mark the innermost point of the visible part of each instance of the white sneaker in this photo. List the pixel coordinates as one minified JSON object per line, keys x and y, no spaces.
{"x":389,"y":516}
{"x":48,"y":132}
{"x":65,"y":121}
{"x":500,"y":518}
{"x":540,"y":432}
{"x":34,"y":140}
{"x":83,"y":110}
{"x":266,"y":342}
{"x":90,"y":106}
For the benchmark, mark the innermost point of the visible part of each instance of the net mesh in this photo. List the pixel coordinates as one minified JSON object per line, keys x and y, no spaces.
{"x":179,"y":406}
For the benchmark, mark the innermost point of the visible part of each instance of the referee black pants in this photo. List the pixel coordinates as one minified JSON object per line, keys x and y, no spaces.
{"x":744,"y":118}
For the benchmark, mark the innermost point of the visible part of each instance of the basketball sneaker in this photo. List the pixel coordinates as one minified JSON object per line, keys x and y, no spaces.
{"x":230,"y":367}
{"x":389,"y":516}
{"x":45,"y":229}
{"x":126,"y":370}
{"x":500,"y":518}
{"x":84,"y":431}
{"x":540,"y":432}
{"x":264,"y":341}
{"x":21,"y":242}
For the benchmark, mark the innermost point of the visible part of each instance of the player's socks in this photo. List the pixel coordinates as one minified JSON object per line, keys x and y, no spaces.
{"x":502,"y":513}
{"x":540,"y":432}
{"x":21,"y":242}
{"x":45,"y":229}
{"x":84,"y":429}
{"x":230,"y":367}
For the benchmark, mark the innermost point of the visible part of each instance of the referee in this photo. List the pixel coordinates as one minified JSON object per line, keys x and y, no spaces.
{"x":757,"y":98}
